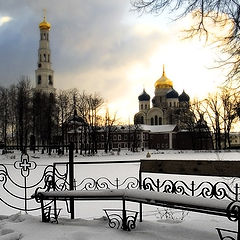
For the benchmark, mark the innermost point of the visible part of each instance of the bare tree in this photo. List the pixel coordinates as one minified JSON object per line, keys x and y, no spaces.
{"x":229,"y":98}
{"x":109,"y":128}
{"x":63,"y":106}
{"x":206,"y":14}
{"x":213,"y":108}
{"x":94,"y":104}
{"x":4,"y":113}
{"x":23,"y":111}
{"x":12,"y":113}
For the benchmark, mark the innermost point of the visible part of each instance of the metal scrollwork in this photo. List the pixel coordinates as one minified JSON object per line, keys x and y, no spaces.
{"x":115,"y":219}
{"x":149,"y":184}
{"x":105,"y":183}
{"x":225,"y":234}
{"x":233,"y":211}
{"x":129,"y":183}
{"x":218,"y":190}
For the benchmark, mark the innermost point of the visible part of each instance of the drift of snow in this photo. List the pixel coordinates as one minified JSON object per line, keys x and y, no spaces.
{"x":27,"y":227}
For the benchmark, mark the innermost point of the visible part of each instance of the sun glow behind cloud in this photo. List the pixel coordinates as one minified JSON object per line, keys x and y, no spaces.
{"x":4,"y":20}
{"x":189,"y":64}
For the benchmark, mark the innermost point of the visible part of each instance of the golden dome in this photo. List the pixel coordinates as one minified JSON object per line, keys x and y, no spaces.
{"x":44,"y":25}
{"x":163,"y":81}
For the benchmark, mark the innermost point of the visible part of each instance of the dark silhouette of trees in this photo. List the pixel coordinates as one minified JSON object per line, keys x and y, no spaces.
{"x":23,"y":112}
{"x":63,"y":109}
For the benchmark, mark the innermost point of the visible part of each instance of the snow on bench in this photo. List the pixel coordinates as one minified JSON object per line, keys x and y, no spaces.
{"x":212,"y":206}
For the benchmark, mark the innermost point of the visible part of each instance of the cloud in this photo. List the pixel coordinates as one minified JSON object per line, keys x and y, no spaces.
{"x":96,"y":45}
{"x":4,"y":20}
{"x":88,"y":41}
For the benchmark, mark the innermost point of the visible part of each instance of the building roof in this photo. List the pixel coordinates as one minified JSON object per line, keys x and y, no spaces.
{"x":144,"y":96}
{"x":172,"y":94}
{"x":158,"y":128}
{"x":163,"y":81}
{"x":183,"y":97}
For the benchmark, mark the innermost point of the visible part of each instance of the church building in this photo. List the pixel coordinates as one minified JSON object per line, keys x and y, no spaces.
{"x":44,"y":74}
{"x":167,"y":104}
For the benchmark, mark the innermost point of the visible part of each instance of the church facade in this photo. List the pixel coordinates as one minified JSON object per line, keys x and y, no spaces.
{"x":167,"y":105}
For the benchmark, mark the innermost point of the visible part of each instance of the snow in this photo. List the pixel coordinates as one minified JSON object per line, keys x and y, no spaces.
{"x":91,"y":222}
{"x":142,"y":196}
{"x":158,"y":128}
{"x":27,"y":227}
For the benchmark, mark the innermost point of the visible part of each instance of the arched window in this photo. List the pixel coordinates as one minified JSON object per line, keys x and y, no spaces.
{"x":50,"y":82}
{"x":44,"y":57}
{"x":141,"y":106}
{"x":170,"y":104}
{"x":160,"y":121}
{"x":39,"y":79}
{"x":152,"y":121}
{"x":156,"y":120}
{"x":142,"y":120}
{"x":145,"y":106}
{"x":48,"y":57}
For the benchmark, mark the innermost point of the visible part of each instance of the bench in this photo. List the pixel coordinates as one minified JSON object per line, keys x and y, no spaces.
{"x":205,"y":197}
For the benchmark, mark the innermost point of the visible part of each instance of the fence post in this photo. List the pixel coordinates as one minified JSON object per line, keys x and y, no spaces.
{"x":140,"y":187}
{"x":193,"y":188}
{"x":236,"y":193}
{"x":71,"y":176}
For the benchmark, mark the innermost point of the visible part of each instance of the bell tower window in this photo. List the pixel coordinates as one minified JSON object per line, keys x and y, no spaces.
{"x":39,"y":79}
{"x":50,"y":82}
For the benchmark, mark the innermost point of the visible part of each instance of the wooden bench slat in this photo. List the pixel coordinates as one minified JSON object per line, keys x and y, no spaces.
{"x":192,"y":167}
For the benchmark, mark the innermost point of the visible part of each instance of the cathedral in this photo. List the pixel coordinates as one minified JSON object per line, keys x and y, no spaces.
{"x":44,"y":74}
{"x":167,"y":105}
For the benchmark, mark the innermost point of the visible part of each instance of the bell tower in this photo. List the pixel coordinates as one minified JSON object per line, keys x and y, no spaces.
{"x":44,"y":74}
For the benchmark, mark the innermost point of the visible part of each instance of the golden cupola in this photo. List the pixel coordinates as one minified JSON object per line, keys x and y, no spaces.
{"x":44,"y":25}
{"x":163,"y":81}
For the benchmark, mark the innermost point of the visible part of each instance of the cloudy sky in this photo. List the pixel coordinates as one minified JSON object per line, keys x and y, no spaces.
{"x":102,"y":46}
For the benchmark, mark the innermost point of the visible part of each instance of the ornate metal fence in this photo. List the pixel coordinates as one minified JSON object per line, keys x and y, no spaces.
{"x":18,"y":185}
{"x":20,"y":180}
{"x":102,"y":182}
{"x":206,"y":189}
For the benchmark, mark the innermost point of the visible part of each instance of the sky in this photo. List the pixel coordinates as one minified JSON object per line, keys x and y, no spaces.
{"x":105,"y":47}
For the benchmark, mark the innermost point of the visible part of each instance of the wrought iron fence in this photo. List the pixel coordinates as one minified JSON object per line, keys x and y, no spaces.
{"x":50,"y":178}
{"x":205,"y":189}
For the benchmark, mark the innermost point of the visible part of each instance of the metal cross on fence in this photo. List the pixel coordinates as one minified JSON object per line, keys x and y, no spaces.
{"x":25,"y":165}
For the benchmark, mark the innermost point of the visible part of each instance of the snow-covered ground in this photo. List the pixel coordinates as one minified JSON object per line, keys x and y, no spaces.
{"x":91,"y":222}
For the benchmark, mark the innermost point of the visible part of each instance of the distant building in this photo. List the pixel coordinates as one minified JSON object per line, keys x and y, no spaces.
{"x":167,"y":105}
{"x":169,"y":122}
{"x":235,"y":140}
{"x":44,"y":75}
